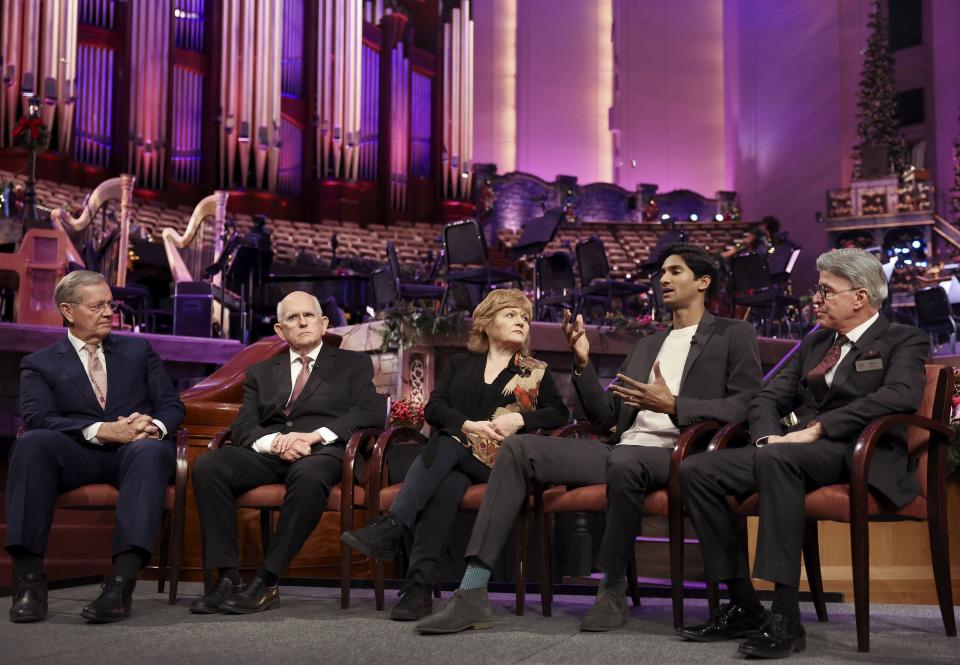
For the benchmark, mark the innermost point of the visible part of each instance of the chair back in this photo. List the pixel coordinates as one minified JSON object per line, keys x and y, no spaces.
{"x":592,"y":261}
{"x":934,"y":313}
{"x":393,"y":263}
{"x":463,"y":243}
{"x":750,"y":273}
{"x":555,"y":273}
{"x":936,"y":405}
{"x":384,"y":286}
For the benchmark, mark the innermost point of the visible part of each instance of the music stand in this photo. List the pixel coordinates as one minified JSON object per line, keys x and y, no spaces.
{"x":248,"y":266}
{"x":538,"y":232}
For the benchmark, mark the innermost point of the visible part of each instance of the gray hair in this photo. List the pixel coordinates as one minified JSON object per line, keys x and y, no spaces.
{"x":68,"y":290}
{"x":284,"y":299}
{"x":862,"y":269}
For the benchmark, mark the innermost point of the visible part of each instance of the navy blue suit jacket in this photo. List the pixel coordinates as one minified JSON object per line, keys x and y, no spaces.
{"x":55,"y":392}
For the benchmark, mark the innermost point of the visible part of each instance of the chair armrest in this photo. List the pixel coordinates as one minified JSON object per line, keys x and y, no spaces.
{"x":691,"y":440}
{"x":577,"y":429}
{"x":940,"y":436}
{"x":358,"y":443}
{"x":731,"y":434}
{"x":377,"y":477}
{"x":219,"y":439}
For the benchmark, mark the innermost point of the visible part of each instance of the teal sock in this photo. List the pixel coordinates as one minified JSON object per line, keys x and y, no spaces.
{"x":476,"y":576}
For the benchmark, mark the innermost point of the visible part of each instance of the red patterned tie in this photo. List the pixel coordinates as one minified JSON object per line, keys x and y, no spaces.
{"x":301,"y":382}
{"x":817,"y":377}
{"x":97,"y":374}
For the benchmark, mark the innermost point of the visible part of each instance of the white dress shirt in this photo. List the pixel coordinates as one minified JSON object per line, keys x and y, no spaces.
{"x":264,"y":443}
{"x":90,"y":431}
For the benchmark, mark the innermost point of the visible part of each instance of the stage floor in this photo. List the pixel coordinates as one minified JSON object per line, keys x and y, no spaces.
{"x":309,"y":626}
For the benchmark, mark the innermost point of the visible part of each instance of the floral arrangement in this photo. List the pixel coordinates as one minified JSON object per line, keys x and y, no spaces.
{"x":407,"y":413}
{"x":31,"y":134}
{"x":407,"y":324}
{"x":640,"y":326}
{"x":953,"y":454}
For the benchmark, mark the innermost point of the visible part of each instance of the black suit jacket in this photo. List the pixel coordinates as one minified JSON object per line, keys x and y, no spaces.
{"x":55,"y":392}
{"x":721,"y":374}
{"x":855,"y":398}
{"x":458,"y":394}
{"x":339,"y":395}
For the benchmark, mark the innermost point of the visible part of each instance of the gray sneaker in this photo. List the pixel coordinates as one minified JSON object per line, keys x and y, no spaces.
{"x":468,"y":608}
{"x":610,"y":611}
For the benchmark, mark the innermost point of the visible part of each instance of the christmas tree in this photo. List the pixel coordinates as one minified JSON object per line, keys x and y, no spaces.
{"x":877,"y":101}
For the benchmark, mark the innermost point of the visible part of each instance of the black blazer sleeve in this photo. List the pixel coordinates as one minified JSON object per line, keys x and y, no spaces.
{"x":246,"y":428}
{"x":38,"y":404}
{"x":776,"y":399}
{"x":551,"y":412}
{"x":439,"y":411}
{"x":743,"y":381}
{"x":368,"y":408}
{"x":901,"y":392}
{"x":167,"y":407}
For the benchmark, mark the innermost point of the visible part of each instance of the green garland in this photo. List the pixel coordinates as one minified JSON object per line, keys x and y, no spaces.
{"x":407,"y":324}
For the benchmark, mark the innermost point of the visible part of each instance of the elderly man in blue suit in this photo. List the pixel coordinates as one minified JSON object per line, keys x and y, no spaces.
{"x":99,"y":409}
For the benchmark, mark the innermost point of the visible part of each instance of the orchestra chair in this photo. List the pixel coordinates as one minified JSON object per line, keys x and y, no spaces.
{"x":345,"y":497}
{"x":464,"y":246}
{"x":596,"y":287}
{"x":666,"y":503}
{"x":410,"y":290}
{"x":556,"y":287}
{"x":935,"y":315}
{"x":929,"y":437}
{"x":383,"y":493}
{"x":103,"y":496}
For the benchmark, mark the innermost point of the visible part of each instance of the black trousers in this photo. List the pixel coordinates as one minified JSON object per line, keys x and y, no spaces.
{"x":782,"y":474}
{"x":45,"y":463}
{"x":222,"y":475}
{"x":427,"y":503}
{"x":629,"y":471}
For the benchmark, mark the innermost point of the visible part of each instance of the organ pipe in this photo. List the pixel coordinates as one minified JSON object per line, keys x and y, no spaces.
{"x":458,"y":101}
{"x":339,"y":85}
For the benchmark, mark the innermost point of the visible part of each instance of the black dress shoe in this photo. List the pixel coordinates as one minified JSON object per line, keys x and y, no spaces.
{"x":380,"y":539}
{"x":113,"y":603}
{"x":29,"y":599}
{"x":781,"y":637}
{"x":415,"y":601}
{"x":257,"y":597}
{"x":210,"y":604}
{"x":730,"y":622}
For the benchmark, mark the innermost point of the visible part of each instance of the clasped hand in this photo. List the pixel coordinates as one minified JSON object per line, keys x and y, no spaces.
{"x":497,"y":429}
{"x":294,"y":445}
{"x":809,"y":434}
{"x":654,"y":396}
{"x":128,"y":429}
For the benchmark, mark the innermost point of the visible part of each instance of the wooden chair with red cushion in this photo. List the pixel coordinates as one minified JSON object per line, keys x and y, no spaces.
{"x":101,"y":496}
{"x":344,"y":498}
{"x":382,"y":495}
{"x":928,"y":441}
{"x":666,"y":503}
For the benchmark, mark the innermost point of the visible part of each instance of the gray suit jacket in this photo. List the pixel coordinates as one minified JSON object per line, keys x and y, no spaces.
{"x":720,"y":376}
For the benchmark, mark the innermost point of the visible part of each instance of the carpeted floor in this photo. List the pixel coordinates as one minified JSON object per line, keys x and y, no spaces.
{"x":308,"y":626}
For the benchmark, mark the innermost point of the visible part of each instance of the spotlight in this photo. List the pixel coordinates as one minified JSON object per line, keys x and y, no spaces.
{"x":694,"y":217}
{"x":909,"y":262}
{"x":664,"y":217}
{"x":916,"y":244}
{"x":718,"y":217}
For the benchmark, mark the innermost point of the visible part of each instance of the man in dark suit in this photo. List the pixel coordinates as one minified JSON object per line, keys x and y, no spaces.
{"x":100,"y":409}
{"x":704,"y":367}
{"x":804,"y":425}
{"x":299,"y":409}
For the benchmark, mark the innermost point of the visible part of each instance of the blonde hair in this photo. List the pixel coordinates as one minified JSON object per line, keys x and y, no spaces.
{"x":486,"y":312}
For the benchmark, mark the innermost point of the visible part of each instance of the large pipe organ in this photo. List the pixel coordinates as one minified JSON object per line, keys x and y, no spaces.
{"x":292,"y":98}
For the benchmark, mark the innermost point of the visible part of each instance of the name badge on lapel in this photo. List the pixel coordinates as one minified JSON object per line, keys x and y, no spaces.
{"x":868,"y":364}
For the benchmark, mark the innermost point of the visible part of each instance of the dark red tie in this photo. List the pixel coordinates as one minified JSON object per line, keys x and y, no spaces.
{"x":301,"y":382}
{"x":817,"y":377}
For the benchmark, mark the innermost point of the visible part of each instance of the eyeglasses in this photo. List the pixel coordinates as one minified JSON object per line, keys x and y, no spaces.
{"x":100,"y":308}
{"x":823,"y":291}
{"x":293,"y":319}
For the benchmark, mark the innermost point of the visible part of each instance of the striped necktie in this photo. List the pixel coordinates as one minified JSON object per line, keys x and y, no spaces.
{"x":301,"y":382}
